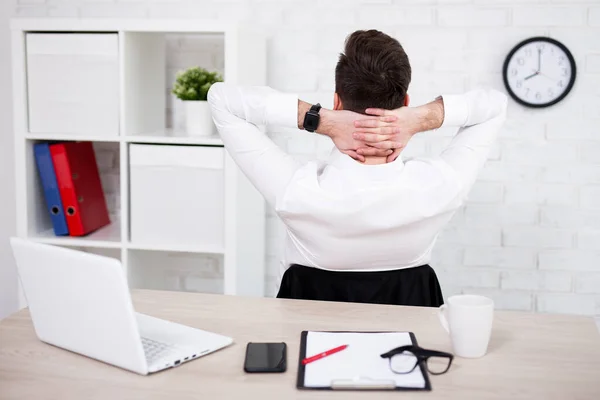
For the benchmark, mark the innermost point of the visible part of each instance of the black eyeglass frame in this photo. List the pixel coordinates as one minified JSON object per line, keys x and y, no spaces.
{"x":422,"y":356}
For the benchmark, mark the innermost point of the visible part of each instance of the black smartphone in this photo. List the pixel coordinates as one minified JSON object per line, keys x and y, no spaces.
{"x":266,"y":357}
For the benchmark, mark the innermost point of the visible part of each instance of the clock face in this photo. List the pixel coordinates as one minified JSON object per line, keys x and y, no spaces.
{"x":539,"y":72}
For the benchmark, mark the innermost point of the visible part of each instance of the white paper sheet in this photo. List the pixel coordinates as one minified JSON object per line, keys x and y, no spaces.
{"x":360,"y":362}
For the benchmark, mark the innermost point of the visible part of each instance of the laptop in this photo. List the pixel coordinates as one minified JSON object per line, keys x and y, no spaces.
{"x":81,"y":302}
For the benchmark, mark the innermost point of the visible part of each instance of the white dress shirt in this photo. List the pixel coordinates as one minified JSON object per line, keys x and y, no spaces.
{"x":344,"y":215}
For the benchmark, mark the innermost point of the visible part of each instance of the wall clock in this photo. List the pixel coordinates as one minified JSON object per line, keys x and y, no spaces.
{"x":539,"y":72}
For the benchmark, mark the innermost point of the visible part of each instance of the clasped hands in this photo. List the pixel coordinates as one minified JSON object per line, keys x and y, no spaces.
{"x":380,"y":133}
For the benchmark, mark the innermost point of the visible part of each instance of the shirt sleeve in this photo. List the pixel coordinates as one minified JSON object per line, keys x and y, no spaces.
{"x":479,"y":114}
{"x":238,"y":112}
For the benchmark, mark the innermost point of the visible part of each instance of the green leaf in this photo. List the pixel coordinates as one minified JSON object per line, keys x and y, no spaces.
{"x":194,"y":83}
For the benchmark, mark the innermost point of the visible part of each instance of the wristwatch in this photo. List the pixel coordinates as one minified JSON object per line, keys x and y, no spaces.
{"x":311,"y":119}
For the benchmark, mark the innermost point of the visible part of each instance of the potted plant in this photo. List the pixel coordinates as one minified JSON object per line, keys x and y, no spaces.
{"x":191,"y":86}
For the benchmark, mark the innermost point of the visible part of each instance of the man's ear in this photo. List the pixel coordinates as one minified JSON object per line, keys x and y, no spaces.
{"x":406,"y":100}
{"x":337,"y":102}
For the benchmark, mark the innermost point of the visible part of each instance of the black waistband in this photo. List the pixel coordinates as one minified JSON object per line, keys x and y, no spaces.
{"x":362,"y":272}
{"x":416,"y":286}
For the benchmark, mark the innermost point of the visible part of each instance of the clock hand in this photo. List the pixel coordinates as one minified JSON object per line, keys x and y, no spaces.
{"x":539,"y":60}
{"x":531,"y":76}
{"x":549,"y":77}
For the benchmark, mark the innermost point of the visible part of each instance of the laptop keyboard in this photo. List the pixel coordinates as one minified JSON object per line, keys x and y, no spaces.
{"x":156,"y":351}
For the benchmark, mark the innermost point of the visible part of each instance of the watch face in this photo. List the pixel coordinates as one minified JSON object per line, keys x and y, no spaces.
{"x":311,"y":119}
{"x":311,"y":122}
{"x":539,"y":72}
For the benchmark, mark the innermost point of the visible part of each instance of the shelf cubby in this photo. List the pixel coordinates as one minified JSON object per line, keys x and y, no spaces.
{"x":178,"y":271}
{"x":39,"y":226}
{"x":150,"y":52}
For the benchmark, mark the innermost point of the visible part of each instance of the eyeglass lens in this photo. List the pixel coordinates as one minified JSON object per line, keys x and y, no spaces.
{"x":403,"y":363}
{"x":438,"y":365}
{"x":406,"y":361}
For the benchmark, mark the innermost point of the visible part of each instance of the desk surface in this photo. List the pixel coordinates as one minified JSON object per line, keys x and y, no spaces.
{"x":531,"y":356}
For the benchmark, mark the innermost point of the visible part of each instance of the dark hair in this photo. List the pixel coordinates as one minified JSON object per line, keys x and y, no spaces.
{"x":373,"y":71}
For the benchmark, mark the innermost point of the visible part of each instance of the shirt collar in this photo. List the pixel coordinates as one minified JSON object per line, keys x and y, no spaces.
{"x":344,"y":162}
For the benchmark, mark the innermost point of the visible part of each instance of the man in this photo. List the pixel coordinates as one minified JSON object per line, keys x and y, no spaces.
{"x":361,"y":226}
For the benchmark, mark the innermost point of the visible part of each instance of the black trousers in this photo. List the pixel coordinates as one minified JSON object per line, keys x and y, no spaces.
{"x":416,"y":286}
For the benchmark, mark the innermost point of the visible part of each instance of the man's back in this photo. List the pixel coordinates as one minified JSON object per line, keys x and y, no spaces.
{"x":343,"y":215}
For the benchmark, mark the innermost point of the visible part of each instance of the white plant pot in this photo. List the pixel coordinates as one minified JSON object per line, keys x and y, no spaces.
{"x":198,"y":120}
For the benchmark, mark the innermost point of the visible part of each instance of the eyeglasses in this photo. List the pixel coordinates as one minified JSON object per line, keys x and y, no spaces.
{"x":404,"y":360}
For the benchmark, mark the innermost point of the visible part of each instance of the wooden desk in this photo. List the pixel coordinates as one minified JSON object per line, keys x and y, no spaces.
{"x":530,"y":356}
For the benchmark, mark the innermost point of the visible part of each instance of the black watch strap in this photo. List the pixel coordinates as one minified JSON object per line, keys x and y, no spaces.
{"x":311,"y":119}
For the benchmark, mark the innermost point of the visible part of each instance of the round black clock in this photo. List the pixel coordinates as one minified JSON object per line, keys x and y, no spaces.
{"x":539,"y":72}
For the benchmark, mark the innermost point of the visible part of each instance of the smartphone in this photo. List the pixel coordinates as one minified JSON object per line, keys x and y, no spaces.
{"x":266,"y":357}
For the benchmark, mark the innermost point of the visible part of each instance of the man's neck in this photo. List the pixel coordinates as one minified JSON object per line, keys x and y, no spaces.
{"x":372,"y":160}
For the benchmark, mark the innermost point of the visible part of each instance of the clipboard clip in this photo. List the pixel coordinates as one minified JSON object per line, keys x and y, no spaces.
{"x":363,"y":383}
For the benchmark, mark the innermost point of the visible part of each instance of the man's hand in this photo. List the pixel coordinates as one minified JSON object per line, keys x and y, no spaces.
{"x":378,"y":135}
{"x":340,"y":124}
{"x":396,"y":134}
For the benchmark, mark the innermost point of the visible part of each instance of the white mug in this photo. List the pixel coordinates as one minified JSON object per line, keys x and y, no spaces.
{"x":468,"y":320}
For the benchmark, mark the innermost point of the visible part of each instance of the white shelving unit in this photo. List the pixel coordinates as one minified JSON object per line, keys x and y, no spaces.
{"x":143,"y":101}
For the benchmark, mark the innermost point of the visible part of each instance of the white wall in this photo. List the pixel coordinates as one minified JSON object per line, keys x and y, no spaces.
{"x":8,"y":277}
{"x":530,"y":234}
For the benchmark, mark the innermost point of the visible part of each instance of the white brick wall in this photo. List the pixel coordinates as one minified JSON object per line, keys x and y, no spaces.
{"x":529,"y":234}
{"x":552,"y":281}
{"x":588,"y":239}
{"x":590,"y":197}
{"x":545,"y":15}
{"x":466,"y":16}
{"x":537,"y":237}
{"x":501,"y":257}
{"x":584,"y":304}
{"x":569,"y":260}
{"x":587,"y":283}
{"x":594,"y":17}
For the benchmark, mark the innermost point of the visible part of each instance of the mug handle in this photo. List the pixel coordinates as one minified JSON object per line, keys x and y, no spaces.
{"x":443,"y":310}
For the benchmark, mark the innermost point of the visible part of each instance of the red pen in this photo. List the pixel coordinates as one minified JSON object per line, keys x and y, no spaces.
{"x":323,"y":354}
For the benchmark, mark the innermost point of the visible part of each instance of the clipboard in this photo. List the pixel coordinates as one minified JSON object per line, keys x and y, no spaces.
{"x":362,"y":382}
